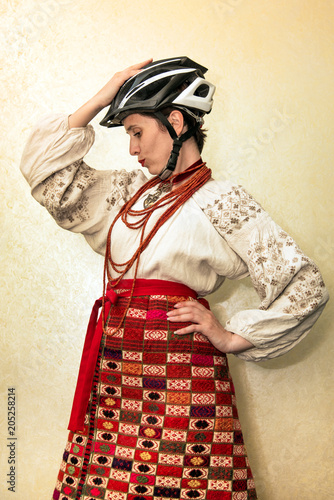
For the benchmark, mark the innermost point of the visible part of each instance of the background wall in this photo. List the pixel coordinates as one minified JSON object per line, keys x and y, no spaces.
{"x":271,"y":130}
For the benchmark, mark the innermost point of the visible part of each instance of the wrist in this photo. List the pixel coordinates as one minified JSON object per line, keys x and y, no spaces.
{"x":103,"y":98}
{"x":96,"y":103}
{"x":237,"y":344}
{"x":85,"y":114}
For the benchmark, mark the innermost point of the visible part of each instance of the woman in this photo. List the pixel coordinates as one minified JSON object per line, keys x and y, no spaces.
{"x":154,"y":412}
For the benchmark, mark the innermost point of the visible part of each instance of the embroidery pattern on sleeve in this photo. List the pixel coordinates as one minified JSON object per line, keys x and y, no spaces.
{"x":286,"y":267}
{"x":275,"y":262}
{"x":306,"y":293}
{"x":63,"y":192}
{"x":232,"y":210}
{"x":272,"y":262}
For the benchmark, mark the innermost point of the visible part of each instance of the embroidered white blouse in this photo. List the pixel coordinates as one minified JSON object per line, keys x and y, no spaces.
{"x":220,"y":232}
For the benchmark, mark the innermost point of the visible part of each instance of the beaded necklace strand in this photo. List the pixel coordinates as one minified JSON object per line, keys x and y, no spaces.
{"x":197,"y":176}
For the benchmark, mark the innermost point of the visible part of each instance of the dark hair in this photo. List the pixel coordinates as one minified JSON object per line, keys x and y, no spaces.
{"x":200,"y":134}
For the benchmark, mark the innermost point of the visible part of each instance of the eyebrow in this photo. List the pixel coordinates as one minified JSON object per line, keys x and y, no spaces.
{"x":127,"y":130}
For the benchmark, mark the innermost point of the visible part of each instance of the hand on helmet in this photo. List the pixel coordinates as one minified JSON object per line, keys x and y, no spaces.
{"x":103,"y":98}
{"x":108,"y":92}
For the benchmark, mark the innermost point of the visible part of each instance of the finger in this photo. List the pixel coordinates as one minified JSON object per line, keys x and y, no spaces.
{"x":141,"y":64}
{"x":181,"y":319}
{"x":190,"y":303}
{"x":135,"y":68}
{"x":186,"y":314}
{"x":125,"y":74}
{"x":182,"y":307}
{"x":187,"y":330}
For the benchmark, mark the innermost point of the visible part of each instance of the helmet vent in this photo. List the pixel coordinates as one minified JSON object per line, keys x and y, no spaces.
{"x":149,"y":91}
{"x":175,"y":82}
{"x":202,"y":90}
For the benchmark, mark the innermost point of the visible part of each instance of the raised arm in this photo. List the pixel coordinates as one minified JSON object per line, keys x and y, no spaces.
{"x":79,"y":198}
{"x":103,"y":98}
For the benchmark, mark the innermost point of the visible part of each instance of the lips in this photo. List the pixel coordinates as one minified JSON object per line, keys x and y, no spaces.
{"x":142,"y":162}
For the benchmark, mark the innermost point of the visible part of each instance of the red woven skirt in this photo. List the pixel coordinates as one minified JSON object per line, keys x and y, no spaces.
{"x":161,"y":422}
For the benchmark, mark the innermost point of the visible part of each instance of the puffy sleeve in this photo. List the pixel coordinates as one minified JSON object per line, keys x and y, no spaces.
{"x":80,"y":198}
{"x":289,"y":283}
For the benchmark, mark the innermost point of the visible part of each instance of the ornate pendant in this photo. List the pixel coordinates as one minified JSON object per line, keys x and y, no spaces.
{"x":153,"y":197}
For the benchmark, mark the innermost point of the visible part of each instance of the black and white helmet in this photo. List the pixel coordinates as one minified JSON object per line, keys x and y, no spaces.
{"x":177,"y":82}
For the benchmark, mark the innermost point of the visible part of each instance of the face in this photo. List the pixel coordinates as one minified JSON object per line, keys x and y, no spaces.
{"x":148,"y":142}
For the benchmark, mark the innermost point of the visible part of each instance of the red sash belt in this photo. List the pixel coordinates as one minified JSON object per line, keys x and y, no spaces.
{"x":95,"y":331}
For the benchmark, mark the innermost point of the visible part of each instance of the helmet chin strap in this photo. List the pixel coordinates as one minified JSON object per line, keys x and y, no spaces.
{"x":168,"y":170}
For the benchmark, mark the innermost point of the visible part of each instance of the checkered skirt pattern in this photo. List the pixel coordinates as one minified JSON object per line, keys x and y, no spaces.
{"x":162,"y":421}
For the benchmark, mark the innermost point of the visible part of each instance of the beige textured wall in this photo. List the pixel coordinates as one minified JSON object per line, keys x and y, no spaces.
{"x":271,"y":130}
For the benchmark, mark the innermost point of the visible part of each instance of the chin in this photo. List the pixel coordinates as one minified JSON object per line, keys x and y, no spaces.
{"x":154,"y":169}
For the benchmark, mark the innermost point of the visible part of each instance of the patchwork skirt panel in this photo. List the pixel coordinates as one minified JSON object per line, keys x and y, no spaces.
{"x":162,"y":421}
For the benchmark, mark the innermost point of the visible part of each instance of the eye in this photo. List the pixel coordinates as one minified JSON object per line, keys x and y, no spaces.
{"x":137,"y":134}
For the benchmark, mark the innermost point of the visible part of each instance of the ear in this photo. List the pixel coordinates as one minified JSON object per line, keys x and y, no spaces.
{"x":177,"y":121}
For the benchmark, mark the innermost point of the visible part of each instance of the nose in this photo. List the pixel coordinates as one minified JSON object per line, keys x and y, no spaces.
{"x":134,"y":147}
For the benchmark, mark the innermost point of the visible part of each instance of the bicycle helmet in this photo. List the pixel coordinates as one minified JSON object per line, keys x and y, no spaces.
{"x":178,"y":82}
